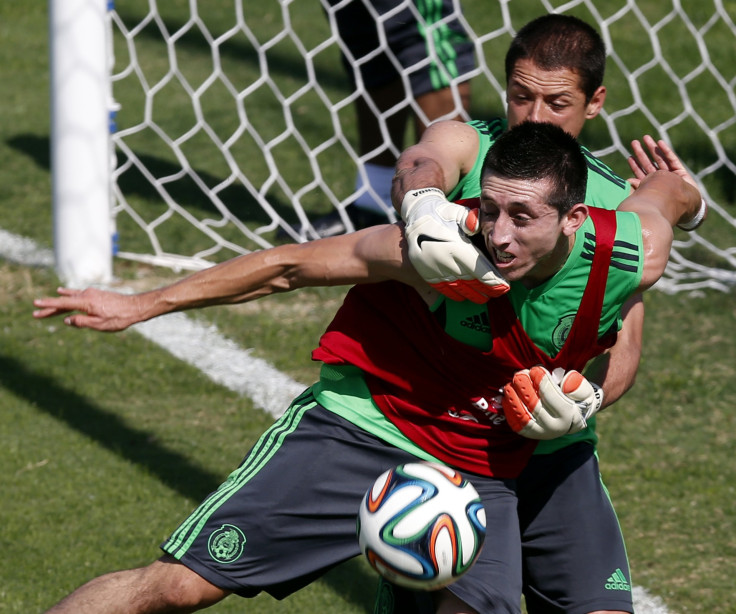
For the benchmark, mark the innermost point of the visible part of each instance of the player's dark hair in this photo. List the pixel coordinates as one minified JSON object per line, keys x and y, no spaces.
{"x":558,"y":42}
{"x":538,"y":151}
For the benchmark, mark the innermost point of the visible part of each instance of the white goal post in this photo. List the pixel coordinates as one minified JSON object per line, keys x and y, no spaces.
{"x":80,"y":139}
{"x":236,"y":131}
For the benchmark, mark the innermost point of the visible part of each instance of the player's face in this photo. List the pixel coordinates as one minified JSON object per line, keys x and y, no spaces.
{"x":553,"y":96}
{"x":524,"y":235}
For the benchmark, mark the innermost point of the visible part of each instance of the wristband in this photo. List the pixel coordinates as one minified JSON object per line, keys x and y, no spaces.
{"x":412,"y":197}
{"x":597,"y":404}
{"x":697,"y":220}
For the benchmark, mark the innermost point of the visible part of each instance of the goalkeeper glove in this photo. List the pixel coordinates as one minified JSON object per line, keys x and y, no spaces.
{"x":543,"y":405}
{"x":437,"y":234}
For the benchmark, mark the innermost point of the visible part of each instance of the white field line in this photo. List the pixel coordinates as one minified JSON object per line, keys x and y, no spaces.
{"x":227,"y":364}
{"x":24,"y":251}
{"x":223,"y":361}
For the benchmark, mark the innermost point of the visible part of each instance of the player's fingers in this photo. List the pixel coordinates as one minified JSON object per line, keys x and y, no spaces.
{"x":639,"y":174}
{"x":639,"y":161}
{"x":466,"y":289}
{"x":571,"y":382}
{"x":655,"y":152}
{"x":54,"y":306}
{"x":674,"y":163}
{"x":471,"y":289}
{"x":48,"y":312}
{"x":484,"y":291}
{"x":537,"y":374}
{"x":667,"y":154}
{"x":78,"y":321}
{"x":68,"y":291}
{"x":642,"y":158}
{"x":471,"y":223}
{"x":515,"y":409}
{"x":448,"y":289}
{"x":525,"y":388}
{"x":670,"y":157}
{"x":477,"y":294}
{"x":81,"y":320}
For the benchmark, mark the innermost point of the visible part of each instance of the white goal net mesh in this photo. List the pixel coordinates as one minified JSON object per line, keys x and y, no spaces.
{"x":235,"y":127}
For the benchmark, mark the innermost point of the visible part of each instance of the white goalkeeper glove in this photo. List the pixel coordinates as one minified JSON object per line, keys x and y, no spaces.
{"x":543,"y":405}
{"x":437,"y":234}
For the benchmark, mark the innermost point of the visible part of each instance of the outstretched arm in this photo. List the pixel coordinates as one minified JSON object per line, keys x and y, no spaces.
{"x":374,"y":254}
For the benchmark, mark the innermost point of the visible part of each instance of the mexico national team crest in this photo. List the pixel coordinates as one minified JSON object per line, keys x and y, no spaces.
{"x":226,"y":544}
{"x":562,"y":330}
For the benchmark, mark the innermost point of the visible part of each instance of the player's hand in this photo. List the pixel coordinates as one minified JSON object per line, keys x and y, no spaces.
{"x":437,"y":234}
{"x":97,"y":309}
{"x":543,"y":405}
{"x":662,"y":158}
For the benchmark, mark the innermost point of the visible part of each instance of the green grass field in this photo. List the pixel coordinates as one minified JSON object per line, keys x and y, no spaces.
{"x":107,"y":442}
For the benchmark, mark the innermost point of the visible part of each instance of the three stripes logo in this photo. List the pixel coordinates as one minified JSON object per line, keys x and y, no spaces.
{"x":478,"y":323}
{"x":617,"y":582}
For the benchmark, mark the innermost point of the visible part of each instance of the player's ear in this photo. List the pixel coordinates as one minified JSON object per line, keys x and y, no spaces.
{"x":574,"y":218}
{"x":596,"y":103}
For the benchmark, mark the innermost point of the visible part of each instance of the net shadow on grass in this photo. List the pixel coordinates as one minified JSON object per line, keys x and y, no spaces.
{"x":135,"y":445}
{"x":351,"y":581}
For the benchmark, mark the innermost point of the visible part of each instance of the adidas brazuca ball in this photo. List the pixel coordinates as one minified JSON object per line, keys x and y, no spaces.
{"x":421,"y":525}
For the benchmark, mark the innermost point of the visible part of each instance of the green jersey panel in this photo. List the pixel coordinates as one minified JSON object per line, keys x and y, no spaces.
{"x":604,"y":189}
{"x":546,"y":312}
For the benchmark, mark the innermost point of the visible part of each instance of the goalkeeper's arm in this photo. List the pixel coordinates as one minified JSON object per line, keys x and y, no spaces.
{"x":437,"y":231}
{"x":615,"y":370}
{"x":445,"y":153}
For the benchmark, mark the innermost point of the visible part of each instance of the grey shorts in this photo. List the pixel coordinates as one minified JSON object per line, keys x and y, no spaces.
{"x":408,"y":41}
{"x":574,"y":558}
{"x":288,"y":513}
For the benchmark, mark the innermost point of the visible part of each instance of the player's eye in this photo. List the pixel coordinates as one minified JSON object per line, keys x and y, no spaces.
{"x":488,"y":215}
{"x":520,"y":217}
{"x":518,"y":96}
{"x":558,"y":105}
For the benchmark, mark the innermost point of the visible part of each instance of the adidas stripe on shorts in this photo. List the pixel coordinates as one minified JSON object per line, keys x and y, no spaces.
{"x":574,"y":554}
{"x":288,"y":513}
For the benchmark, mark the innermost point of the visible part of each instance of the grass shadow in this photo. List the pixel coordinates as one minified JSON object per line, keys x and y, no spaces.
{"x":135,"y":445}
{"x":350,"y":580}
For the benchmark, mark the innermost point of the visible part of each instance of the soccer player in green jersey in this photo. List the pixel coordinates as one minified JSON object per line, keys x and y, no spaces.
{"x":554,"y":68}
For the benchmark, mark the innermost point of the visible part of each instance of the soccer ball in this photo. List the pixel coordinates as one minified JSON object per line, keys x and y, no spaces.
{"x":421,"y":525}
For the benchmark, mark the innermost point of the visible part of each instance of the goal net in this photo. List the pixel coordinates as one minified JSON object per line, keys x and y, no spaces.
{"x":235,"y":127}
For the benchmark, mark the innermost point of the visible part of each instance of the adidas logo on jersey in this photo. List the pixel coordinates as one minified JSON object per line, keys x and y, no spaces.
{"x":617,"y":582}
{"x":478,"y":323}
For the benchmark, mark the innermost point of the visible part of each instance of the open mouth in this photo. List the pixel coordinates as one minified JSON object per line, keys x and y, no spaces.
{"x":502,"y":257}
